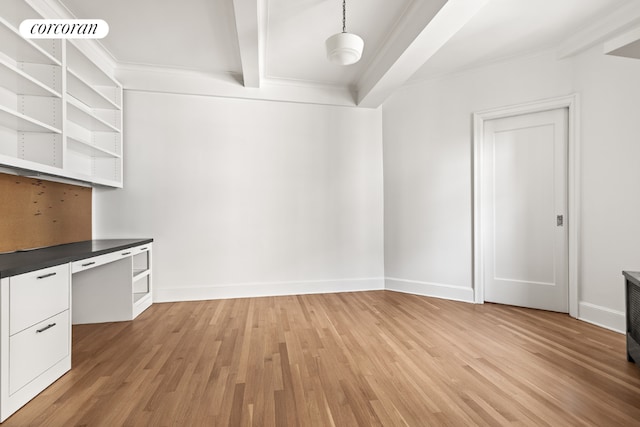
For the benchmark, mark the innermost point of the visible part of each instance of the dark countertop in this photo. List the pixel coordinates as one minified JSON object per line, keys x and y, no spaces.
{"x":15,"y":263}
{"x":634,"y":276}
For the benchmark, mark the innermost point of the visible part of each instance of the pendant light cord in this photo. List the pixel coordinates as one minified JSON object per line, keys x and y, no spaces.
{"x":344,"y":16}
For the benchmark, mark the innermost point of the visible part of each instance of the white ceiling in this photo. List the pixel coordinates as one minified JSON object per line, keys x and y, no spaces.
{"x":508,"y":28}
{"x":283,"y":40}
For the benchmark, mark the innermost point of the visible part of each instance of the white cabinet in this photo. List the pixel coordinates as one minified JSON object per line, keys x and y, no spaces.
{"x":37,"y":295}
{"x":60,"y":113}
{"x":38,"y":307}
{"x":38,"y":348}
{"x":112,"y":287}
{"x":35,"y":334}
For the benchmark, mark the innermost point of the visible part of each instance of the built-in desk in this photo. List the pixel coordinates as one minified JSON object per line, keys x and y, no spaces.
{"x":44,"y":291}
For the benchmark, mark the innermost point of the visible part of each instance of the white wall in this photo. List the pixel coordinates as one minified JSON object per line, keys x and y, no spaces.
{"x":249,"y":197}
{"x":610,"y":90}
{"x":427,"y":130}
{"x":427,"y":135}
{"x":262,"y":198}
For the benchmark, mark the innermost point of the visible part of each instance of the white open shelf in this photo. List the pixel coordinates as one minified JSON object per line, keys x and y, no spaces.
{"x":138,"y":296}
{"x":21,"y":49}
{"x":18,"y":81}
{"x":79,"y":65}
{"x":87,"y":94}
{"x":14,"y":120}
{"x":82,"y":115}
{"x":140,"y":273}
{"x":88,"y":149}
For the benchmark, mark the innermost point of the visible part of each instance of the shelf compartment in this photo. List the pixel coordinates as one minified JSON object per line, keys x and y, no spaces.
{"x":23,"y":50}
{"x":30,"y":150}
{"x":138,"y":296}
{"x":139,"y":274}
{"x":88,"y":94}
{"x":141,"y":301}
{"x":14,"y":120}
{"x":40,"y":148}
{"x":88,"y":149}
{"x":106,"y":142}
{"x":82,"y":115}
{"x":20,"y":82}
{"x":84,"y":165}
{"x":78,"y":64}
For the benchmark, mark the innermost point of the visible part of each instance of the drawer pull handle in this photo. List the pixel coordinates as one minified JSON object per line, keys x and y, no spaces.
{"x":44,"y":276}
{"x":143,"y":249}
{"x":49,"y":326}
{"x":88,"y":264}
{"x":126,"y":253}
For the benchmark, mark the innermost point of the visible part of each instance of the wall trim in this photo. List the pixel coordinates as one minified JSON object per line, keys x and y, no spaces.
{"x":604,"y":317}
{"x":571,"y":102}
{"x":429,"y":289}
{"x":147,"y":78}
{"x":266,"y":289}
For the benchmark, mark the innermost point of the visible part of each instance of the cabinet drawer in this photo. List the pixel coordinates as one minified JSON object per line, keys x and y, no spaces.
{"x":96,"y":261}
{"x":37,"y":295}
{"x":141,"y":248}
{"x":34,"y":350}
{"x":86,"y":264}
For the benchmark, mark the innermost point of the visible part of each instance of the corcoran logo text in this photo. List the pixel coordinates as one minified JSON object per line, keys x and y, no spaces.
{"x":64,"y":28}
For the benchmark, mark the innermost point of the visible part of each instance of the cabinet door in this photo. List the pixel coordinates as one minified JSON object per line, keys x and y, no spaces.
{"x":37,"y":295}
{"x":34,"y":350}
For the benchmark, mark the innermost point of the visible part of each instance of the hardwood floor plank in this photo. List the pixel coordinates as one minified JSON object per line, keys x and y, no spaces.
{"x":366,"y":359}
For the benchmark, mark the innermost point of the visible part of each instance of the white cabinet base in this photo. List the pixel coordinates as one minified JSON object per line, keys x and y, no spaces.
{"x":141,"y":302}
{"x":17,"y":400}
{"x":37,"y":308}
{"x":105,"y":288}
{"x":35,"y":361}
{"x":102,"y":294}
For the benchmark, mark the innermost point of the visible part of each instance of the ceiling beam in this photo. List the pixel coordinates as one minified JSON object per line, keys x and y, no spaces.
{"x":250,"y":28}
{"x":627,"y":44}
{"x":426,"y":28}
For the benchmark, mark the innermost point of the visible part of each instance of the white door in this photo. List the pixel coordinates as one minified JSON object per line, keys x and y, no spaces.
{"x":524,"y":210}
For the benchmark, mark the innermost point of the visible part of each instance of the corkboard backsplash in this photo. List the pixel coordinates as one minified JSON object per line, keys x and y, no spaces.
{"x":36,"y":213}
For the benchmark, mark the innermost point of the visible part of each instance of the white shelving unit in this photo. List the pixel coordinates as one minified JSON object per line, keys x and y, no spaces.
{"x":94,"y":120}
{"x":60,"y":113}
{"x":142,"y":295}
{"x":31,"y":107}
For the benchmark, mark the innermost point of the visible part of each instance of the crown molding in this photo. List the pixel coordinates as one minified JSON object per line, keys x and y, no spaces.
{"x":623,"y":19}
{"x":227,"y":85}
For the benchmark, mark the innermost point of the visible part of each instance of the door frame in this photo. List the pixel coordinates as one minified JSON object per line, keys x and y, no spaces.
{"x":571,"y":102}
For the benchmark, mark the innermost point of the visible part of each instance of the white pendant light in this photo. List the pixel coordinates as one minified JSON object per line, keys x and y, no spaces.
{"x":344,"y":48}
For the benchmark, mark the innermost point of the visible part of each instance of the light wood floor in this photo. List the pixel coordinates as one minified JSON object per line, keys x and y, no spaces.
{"x":368,"y":358}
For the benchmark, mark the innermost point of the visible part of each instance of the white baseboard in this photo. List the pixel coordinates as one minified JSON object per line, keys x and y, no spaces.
{"x":602,"y":316}
{"x":262,"y":289}
{"x":437,"y":290}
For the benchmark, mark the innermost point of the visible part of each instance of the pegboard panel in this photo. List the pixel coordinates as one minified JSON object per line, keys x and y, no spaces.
{"x":36,"y":213}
